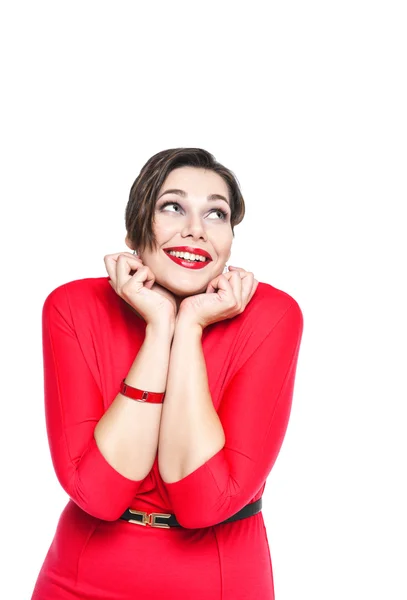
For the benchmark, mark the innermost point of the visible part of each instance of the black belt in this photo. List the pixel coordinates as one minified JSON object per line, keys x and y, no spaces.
{"x":154,"y":519}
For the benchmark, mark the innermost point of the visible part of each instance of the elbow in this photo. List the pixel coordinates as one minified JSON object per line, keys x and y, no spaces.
{"x":205,"y":516}
{"x":97,"y":501}
{"x":96,"y":510}
{"x":95,"y":506}
{"x":195,"y":521}
{"x":100,"y":512}
{"x":204,"y":497}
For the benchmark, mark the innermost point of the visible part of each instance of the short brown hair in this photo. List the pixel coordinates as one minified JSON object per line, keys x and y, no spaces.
{"x":139,"y":214}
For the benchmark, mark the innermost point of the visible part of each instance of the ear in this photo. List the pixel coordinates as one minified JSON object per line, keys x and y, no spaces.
{"x":127,"y":242}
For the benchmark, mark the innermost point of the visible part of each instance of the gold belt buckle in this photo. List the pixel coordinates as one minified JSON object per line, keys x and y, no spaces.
{"x":149,"y":521}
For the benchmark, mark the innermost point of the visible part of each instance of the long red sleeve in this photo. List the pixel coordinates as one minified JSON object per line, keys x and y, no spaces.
{"x":254,"y":412}
{"x":73,"y":406}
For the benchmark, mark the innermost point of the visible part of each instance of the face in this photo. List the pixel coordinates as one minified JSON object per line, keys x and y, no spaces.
{"x":190,"y":218}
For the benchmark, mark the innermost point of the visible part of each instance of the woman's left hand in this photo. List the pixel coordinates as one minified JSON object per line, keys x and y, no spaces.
{"x":234,"y":290}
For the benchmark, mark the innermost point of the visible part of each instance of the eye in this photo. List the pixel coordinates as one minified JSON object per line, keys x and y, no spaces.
{"x":169,"y":203}
{"x":216,"y":210}
{"x":222,"y":212}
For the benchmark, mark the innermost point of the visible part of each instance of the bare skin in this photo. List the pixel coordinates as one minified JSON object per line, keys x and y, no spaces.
{"x":176,"y":303}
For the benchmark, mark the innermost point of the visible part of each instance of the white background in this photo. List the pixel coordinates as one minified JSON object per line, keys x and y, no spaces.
{"x":306,"y":103}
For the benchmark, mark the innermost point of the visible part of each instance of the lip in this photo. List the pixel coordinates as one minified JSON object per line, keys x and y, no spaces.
{"x":190,"y":249}
{"x":191,"y":265}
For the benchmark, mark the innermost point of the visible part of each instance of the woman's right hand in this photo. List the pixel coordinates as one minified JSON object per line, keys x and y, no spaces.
{"x":153,"y":302}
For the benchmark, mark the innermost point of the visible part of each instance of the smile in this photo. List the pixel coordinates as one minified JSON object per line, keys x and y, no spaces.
{"x":188,"y":264}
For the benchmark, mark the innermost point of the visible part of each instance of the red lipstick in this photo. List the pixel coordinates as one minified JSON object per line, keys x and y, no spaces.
{"x":191,"y":249}
{"x":188,"y":263}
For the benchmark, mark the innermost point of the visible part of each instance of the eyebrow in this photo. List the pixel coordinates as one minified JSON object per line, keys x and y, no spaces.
{"x":182,"y":193}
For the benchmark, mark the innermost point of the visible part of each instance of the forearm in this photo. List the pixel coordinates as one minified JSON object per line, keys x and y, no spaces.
{"x":127,"y":434}
{"x":190,"y":429}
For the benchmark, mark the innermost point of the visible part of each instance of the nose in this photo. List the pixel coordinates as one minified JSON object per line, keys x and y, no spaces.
{"x":194,"y":228}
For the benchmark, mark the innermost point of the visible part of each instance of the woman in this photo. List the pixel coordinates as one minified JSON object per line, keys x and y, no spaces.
{"x":189,"y":468}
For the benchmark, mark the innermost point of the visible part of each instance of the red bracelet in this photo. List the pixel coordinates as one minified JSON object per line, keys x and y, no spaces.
{"x":141,"y":395}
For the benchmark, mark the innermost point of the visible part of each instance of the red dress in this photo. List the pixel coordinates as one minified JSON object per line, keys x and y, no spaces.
{"x":90,"y":339}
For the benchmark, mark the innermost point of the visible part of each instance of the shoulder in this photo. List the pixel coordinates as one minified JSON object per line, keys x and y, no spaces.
{"x":79,"y":293}
{"x":269,"y":306}
{"x":271,"y":320}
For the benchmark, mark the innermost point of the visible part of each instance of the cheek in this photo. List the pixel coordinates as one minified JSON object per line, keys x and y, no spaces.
{"x":223,"y":247}
{"x":163,"y":232}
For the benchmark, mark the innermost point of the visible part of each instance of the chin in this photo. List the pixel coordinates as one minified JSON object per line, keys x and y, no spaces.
{"x":185,"y":290}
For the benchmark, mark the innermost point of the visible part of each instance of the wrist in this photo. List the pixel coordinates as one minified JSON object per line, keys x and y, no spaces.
{"x":187,"y":323}
{"x":164,"y":329}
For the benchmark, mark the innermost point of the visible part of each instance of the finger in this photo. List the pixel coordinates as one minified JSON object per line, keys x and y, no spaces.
{"x":240,"y":269}
{"x":110,"y":261}
{"x":124,"y":264}
{"x":222,"y":286}
{"x":235,"y":281}
{"x":253,"y":290}
{"x":241,"y":272}
{"x":115,"y":255}
{"x":247,"y":278}
{"x":110,"y":268}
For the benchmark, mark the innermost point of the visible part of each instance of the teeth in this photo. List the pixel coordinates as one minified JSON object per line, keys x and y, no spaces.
{"x":188,"y":256}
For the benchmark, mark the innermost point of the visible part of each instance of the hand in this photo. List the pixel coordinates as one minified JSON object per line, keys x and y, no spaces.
{"x":135,"y":283}
{"x":235,"y":289}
